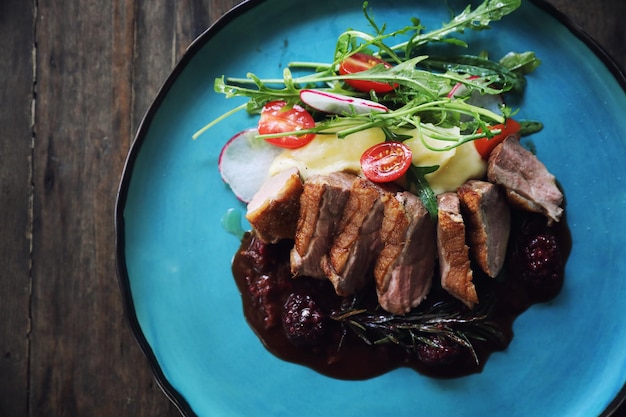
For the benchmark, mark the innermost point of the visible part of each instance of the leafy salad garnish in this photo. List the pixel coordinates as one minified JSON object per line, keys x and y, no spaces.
{"x":422,"y":82}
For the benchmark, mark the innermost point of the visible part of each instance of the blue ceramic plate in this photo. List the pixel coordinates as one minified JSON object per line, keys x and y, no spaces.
{"x":568,"y":357}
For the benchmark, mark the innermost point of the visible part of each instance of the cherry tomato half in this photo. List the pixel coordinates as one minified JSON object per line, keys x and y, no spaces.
{"x":360,"y":62}
{"x":484,"y":146}
{"x":277,"y":117}
{"x":386,"y":161}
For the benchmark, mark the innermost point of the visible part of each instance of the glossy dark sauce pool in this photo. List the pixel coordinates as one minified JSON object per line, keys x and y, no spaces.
{"x":264,"y":280}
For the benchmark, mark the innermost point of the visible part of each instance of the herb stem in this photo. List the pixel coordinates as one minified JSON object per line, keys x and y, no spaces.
{"x":219,"y":119}
{"x":314,"y":65}
{"x":477,"y":19}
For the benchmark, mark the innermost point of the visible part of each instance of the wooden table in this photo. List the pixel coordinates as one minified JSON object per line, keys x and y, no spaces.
{"x":76,"y":78}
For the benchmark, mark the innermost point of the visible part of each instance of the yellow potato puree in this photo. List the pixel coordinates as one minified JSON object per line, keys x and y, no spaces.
{"x":327,"y":153}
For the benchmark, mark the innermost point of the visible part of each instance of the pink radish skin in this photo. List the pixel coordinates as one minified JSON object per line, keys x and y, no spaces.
{"x":460,"y":89}
{"x":487,"y":101}
{"x":339,"y":104}
{"x":244,"y":163}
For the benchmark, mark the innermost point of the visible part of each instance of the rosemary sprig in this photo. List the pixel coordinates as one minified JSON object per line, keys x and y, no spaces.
{"x":441,"y":320}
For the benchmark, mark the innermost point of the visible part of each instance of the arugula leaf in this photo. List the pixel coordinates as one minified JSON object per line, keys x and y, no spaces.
{"x":477,"y":19}
{"x":348,"y":41}
{"x":419,"y":186}
{"x":520,"y":63}
{"x":495,"y":72}
{"x":528,"y":127}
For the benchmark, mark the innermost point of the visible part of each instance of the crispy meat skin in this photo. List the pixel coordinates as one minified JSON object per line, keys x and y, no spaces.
{"x":488,"y":218}
{"x":405,"y":266}
{"x":454,"y":262}
{"x":350,"y":230}
{"x":273,"y":211}
{"x":528,"y":183}
{"x":357,"y":242}
{"x":321,"y":206}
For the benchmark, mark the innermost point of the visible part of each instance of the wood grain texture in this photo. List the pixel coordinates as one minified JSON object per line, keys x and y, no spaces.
{"x":603,"y":21}
{"x":15,"y":191}
{"x":82,"y":131}
{"x":96,"y":75}
{"x":94,"y":67}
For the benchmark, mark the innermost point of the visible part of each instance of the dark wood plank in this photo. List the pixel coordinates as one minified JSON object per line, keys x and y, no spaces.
{"x":98,"y":66}
{"x":163,"y":34}
{"x":602,"y":20}
{"x":16,"y":85}
{"x":80,"y":347}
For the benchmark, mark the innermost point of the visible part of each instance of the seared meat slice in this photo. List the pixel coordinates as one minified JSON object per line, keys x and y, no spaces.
{"x":405,"y":266}
{"x":321,"y":206}
{"x":273,"y":211}
{"x":488,"y":219}
{"x":349,"y":262}
{"x":528,"y":183}
{"x":454,"y":262}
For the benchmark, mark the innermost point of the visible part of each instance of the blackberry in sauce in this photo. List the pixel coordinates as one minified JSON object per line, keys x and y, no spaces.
{"x":292,"y":317}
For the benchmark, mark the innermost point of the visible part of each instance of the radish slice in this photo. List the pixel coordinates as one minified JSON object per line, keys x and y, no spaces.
{"x":339,"y":104}
{"x":244,"y":163}
{"x":487,"y":101}
{"x":460,"y":89}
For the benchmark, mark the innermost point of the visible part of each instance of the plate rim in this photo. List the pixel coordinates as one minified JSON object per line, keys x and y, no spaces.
{"x":194,"y":47}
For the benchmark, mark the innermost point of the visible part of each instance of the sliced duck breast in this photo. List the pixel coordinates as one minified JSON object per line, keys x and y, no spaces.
{"x":321,"y":206}
{"x":405,"y":266}
{"x":350,"y":261}
{"x":528,"y":183}
{"x":454,"y":261}
{"x":273,"y":211}
{"x":488,"y":219}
